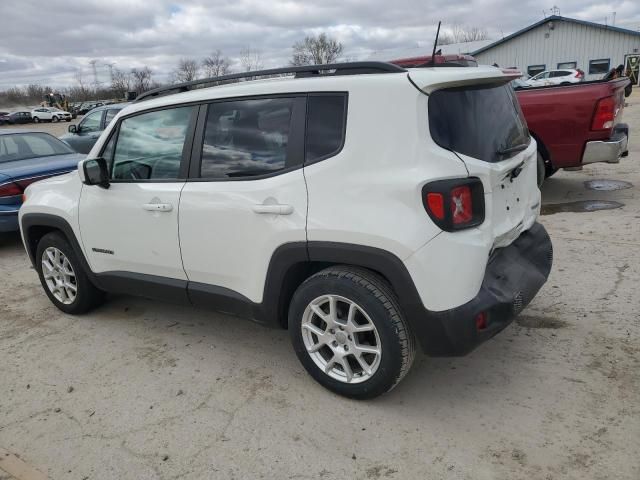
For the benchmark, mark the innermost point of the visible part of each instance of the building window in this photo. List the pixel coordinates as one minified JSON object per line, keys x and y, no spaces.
{"x":597,"y":67}
{"x":535,"y":69}
{"x":571,"y":65}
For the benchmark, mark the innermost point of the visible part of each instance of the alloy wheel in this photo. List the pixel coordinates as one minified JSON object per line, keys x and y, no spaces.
{"x":59,"y":275}
{"x":341,"y":339}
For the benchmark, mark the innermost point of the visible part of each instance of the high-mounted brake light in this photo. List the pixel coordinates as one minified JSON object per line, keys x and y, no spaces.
{"x":454,"y":204}
{"x":9,"y":189}
{"x":605,"y":114}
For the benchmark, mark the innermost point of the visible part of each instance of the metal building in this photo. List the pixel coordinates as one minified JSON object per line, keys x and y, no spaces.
{"x":560,"y":42}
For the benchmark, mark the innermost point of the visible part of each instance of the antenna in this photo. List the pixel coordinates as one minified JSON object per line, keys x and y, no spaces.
{"x":435,"y":45}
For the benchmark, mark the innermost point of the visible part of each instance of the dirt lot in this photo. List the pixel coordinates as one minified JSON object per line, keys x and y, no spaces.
{"x":142,"y":390}
{"x":56,"y":129}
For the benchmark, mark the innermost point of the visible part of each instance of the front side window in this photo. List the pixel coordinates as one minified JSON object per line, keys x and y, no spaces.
{"x":149,"y":146}
{"x":91,"y":123}
{"x":246,"y":138}
{"x":325,"y":125}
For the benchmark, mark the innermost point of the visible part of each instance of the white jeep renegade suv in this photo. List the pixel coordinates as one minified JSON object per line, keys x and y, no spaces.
{"x":362,"y":206}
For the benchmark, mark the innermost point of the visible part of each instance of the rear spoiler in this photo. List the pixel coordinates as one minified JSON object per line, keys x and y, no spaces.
{"x":431,"y":79}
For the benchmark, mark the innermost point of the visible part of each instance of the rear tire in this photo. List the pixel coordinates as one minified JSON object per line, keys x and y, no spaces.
{"x":64,"y":280}
{"x":36,"y":120}
{"x":348,"y":332}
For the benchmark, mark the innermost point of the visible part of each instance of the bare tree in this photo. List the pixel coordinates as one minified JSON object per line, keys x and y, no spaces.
{"x":120,"y":82}
{"x":462,"y":34}
{"x":250,"y":59}
{"x":216,"y":65}
{"x":316,"y":50}
{"x":186,"y":71}
{"x":82,"y":92}
{"x":141,"y":79}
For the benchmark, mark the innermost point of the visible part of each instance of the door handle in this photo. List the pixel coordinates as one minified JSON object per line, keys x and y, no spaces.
{"x":158,"y":207}
{"x":277,"y":209}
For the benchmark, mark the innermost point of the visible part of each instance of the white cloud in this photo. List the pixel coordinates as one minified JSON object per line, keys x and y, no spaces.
{"x":48,"y":42}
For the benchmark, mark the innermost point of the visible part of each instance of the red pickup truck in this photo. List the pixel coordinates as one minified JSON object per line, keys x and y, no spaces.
{"x":575,"y":124}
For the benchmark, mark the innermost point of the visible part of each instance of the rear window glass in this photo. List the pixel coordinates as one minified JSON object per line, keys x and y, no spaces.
{"x":483,"y":122}
{"x":21,"y":146}
{"x":325,"y":125}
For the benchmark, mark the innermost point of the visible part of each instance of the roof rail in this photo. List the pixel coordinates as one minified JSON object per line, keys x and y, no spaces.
{"x":349,"y":68}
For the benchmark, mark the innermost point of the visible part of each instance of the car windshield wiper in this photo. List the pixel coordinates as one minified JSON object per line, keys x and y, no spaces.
{"x":514,"y":149}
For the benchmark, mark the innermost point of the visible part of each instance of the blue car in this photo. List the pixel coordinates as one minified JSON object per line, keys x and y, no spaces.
{"x":26,"y":157}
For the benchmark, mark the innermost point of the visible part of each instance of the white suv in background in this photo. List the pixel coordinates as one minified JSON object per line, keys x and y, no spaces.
{"x":556,"y":77}
{"x":49,"y":114}
{"x":367,"y":208}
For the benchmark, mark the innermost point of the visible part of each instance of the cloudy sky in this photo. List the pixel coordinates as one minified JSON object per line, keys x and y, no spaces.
{"x":48,"y":42}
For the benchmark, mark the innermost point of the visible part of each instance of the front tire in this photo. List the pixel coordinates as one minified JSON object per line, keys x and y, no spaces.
{"x":348,"y":332}
{"x":64,"y":280}
{"x":36,"y":120}
{"x":54,"y":119}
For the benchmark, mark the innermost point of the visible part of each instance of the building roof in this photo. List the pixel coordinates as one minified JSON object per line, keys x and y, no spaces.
{"x":555,"y":18}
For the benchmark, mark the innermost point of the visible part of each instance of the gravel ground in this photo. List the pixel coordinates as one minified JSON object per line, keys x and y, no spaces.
{"x":145,"y":390}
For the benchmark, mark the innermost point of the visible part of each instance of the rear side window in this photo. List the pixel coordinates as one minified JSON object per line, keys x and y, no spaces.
{"x":246,"y":138}
{"x":483,"y":122}
{"x":326,"y":114}
{"x":109,"y":116}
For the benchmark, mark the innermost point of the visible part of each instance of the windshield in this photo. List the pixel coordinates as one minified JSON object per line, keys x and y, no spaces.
{"x":22,"y":146}
{"x":483,"y":122}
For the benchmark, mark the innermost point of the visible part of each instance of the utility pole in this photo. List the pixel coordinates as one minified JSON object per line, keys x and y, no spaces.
{"x":95,"y":72}
{"x":110,"y":67}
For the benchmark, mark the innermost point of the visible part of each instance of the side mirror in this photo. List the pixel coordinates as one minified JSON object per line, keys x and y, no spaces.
{"x":96,"y":172}
{"x":73,"y":129}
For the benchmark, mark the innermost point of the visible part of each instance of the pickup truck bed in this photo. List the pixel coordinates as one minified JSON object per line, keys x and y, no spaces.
{"x":576,"y":124}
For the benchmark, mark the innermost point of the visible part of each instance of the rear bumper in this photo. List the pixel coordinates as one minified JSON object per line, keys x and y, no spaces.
{"x":609,"y":151}
{"x":513,"y":277}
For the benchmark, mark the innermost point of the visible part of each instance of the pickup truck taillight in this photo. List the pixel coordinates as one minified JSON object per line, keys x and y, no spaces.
{"x":454,"y":204}
{"x":9,"y":189}
{"x":604,"y":114}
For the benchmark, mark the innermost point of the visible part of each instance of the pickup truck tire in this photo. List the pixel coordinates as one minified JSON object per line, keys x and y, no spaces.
{"x":63,"y":278}
{"x":349,"y":333}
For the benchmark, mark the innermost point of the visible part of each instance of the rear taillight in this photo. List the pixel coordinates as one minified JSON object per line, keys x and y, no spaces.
{"x":579,"y":74}
{"x":605,"y":114}
{"x":454,"y":204}
{"x":9,"y":190}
